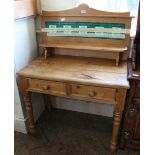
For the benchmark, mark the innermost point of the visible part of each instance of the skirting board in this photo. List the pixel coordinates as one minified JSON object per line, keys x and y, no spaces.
{"x":20,"y":125}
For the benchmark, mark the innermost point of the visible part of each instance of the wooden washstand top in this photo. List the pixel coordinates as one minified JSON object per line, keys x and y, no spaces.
{"x":82,"y":70}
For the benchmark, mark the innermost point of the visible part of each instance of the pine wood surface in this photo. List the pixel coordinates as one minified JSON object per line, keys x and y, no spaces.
{"x":83,"y":13}
{"x":97,"y":80}
{"x":90,"y":79}
{"x":74,"y":91}
{"x":94,"y":71}
{"x":69,"y":45}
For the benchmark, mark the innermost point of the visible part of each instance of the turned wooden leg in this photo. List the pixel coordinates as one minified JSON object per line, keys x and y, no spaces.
{"x":119,"y":107}
{"x":28,"y":104}
{"x":116,"y":131}
{"x":29,"y":111}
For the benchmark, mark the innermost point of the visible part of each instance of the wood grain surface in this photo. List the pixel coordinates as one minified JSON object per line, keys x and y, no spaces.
{"x":94,"y":71}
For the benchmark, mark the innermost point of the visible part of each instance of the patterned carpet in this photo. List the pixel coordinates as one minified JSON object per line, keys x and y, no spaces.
{"x":62,"y":132}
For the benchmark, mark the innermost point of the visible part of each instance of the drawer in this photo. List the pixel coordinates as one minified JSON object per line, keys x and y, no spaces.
{"x":49,"y":87}
{"x":94,"y":93}
{"x":90,"y":93}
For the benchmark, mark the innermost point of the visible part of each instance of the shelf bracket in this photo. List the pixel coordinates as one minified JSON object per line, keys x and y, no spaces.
{"x":117,"y":59}
{"x":45,"y":53}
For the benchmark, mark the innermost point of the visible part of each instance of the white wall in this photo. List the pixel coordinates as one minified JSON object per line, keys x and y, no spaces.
{"x":25,"y":49}
{"x":56,"y":5}
{"x":85,"y":107}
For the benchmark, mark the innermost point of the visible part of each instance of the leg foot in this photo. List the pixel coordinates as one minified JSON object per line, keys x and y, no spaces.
{"x":115,"y":132}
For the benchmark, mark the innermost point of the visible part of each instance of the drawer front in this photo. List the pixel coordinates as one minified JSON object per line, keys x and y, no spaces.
{"x":49,"y":87}
{"x":94,"y":93}
{"x":90,"y":93}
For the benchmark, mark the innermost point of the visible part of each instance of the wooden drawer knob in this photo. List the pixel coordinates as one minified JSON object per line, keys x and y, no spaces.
{"x":92,"y":94}
{"x":46,"y":87}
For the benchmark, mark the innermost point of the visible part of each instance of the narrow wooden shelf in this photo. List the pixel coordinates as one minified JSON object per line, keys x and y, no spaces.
{"x":117,"y":48}
{"x":86,"y":29}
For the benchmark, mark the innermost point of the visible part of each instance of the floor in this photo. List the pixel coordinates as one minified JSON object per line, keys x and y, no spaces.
{"x":62,"y":132}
